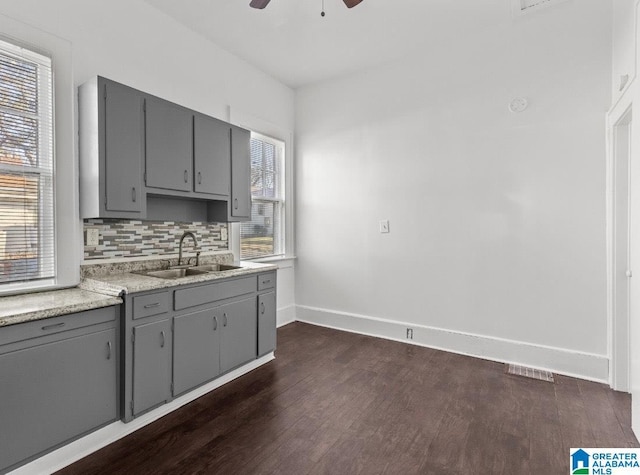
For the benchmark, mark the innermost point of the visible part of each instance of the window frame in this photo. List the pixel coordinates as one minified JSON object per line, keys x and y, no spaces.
{"x":284,"y":134}
{"x":280,"y":238}
{"x":66,"y":217}
{"x":44,"y":170}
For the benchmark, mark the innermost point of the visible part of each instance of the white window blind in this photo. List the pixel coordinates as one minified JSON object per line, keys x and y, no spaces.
{"x":263,"y":235}
{"x":26,"y":166}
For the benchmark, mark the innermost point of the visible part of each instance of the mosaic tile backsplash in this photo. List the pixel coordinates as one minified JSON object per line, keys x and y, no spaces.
{"x":121,"y":238}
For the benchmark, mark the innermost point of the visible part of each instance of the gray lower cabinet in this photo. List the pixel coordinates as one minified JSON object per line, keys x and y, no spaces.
{"x":238,"y":343}
{"x":151,"y":365}
{"x":196,"y":349}
{"x":266,"y":323}
{"x":59,"y":385}
{"x":169,"y":145}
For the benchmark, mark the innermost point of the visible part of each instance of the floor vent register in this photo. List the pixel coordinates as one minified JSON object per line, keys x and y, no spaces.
{"x":531,"y":373}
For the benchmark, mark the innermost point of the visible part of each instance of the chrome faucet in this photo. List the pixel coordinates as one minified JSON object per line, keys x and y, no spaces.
{"x":195,"y":247}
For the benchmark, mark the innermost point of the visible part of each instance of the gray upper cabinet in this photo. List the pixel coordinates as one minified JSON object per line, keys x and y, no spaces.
{"x":212,"y":156}
{"x":151,"y":365}
{"x":169,"y":145}
{"x":111,"y":133}
{"x":196,"y":347}
{"x":238,"y":341}
{"x":240,"y":203}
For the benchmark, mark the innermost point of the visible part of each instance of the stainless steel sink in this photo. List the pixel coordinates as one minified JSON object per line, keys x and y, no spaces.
{"x":215,"y":267}
{"x":174,"y":273}
{"x":188,"y":271}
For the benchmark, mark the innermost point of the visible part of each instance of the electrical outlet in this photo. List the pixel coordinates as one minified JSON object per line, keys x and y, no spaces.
{"x":92,"y":237}
{"x":384,"y":226}
{"x":223,"y":234}
{"x":409,"y":333}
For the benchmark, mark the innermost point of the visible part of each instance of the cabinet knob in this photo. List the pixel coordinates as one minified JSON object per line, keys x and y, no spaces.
{"x":629,"y":273}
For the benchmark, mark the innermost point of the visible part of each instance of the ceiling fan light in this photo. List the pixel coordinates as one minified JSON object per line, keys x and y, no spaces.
{"x":259,"y":3}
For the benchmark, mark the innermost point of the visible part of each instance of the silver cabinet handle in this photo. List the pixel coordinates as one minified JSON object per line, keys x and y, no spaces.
{"x":262,"y":308}
{"x":162,"y":339}
{"x":55,"y":325}
{"x":266,"y":281}
{"x":152,"y":305}
{"x":133,"y":194}
{"x":199,"y":178}
{"x":215,"y":323}
{"x":235,"y":203}
{"x":109,"y":350}
{"x":186,"y":176}
{"x":224,"y":323}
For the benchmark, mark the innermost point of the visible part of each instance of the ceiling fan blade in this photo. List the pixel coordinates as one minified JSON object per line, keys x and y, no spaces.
{"x":351,"y":3}
{"x":260,"y":3}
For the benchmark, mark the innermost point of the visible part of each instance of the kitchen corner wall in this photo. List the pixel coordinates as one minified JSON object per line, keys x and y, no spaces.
{"x":132,"y":238}
{"x":497,"y":219}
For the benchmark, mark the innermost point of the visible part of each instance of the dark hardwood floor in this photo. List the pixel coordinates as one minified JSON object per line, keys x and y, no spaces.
{"x":340,"y":403}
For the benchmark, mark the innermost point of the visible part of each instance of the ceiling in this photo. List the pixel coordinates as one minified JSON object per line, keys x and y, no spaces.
{"x":291,"y":41}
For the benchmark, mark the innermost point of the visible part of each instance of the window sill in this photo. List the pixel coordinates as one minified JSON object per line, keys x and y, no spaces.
{"x":282,"y":261}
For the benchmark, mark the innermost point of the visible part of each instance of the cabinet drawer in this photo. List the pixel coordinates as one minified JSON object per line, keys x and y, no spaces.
{"x":151,"y":304}
{"x":267,"y":281}
{"x":49,"y":326}
{"x":194,"y":296}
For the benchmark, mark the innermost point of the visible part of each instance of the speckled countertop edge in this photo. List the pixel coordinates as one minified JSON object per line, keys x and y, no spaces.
{"x":41,"y":305}
{"x":123,"y":283}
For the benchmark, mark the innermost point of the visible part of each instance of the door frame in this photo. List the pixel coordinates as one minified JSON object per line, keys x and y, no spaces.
{"x":619,"y":122}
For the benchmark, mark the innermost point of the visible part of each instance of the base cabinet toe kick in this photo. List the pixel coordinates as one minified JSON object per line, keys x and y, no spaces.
{"x":177,"y":339}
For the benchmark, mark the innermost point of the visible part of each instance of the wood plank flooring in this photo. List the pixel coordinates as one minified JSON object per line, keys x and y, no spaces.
{"x":339,"y":403}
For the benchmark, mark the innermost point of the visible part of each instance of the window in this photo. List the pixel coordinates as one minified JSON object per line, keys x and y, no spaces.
{"x":263,"y":236}
{"x":26,"y":166}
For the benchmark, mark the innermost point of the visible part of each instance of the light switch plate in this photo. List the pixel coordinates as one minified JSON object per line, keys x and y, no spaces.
{"x":223,"y":234}
{"x":92,"y":237}
{"x":384,"y":226}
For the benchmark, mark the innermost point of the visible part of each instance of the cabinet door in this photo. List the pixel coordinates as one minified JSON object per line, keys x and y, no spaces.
{"x":151,"y":365}
{"x":212,"y":156}
{"x":196,"y":350}
{"x":240,"y":203}
{"x":266,"y":323}
{"x":54,"y":392}
{"x":123,"y":147}
{"x":238,"y":341}
{"x":169,"y":146}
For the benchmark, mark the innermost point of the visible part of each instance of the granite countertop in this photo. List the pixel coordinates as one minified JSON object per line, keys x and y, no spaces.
{"x":37,"y":306}
{"x":103,"y":284}
{"x":121,"y":278}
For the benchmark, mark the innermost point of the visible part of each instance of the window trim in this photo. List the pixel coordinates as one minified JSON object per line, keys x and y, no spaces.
{"x":279,"y":145}
{"x":67,"y":241}
{"x":283,"y":134}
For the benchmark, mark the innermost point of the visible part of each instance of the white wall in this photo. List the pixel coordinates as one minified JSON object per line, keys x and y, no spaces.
{"x":497,"y":243}
{"x":133,"y":43}
{"x":624,"y":45}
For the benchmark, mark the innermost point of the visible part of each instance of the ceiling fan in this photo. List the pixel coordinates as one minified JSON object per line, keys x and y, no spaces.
{"x":263,"y":3}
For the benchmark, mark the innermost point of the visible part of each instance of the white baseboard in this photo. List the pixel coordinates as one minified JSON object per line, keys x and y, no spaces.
{"x":74,"y":451}
{"x":286,"y":315}
{"x":557,"y":360}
